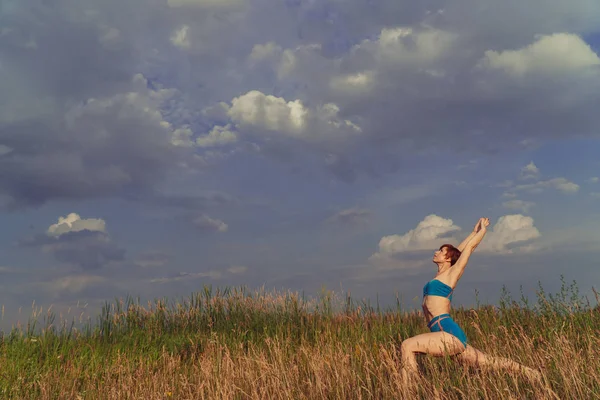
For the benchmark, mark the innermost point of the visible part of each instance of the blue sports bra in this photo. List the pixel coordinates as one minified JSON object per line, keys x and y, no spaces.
{"x":437,"y":288}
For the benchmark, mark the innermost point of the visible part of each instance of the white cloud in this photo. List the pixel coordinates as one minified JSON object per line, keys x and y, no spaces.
{"x":219,"y":135}
{"x":204,"y":222}
{"x":594,"y":179}
{"x":408,"y":46}
{"x":181,"y":38}
{"x":182,"y":137}
{"x":556,"y":53}
{"x":517,"y":204}
{"x":296,"y":62}
{"x":560,"y":184}
{"x":360,"y":82}
{"x":218,"y":112}
{"x":74,"y":223}
{"x":429,"y":234}
{"x":396,"y":51}
{"x":530,"y":171}
{"x":267,"y":113}
{"x":261,"y":52}
{"x":511,"y":234}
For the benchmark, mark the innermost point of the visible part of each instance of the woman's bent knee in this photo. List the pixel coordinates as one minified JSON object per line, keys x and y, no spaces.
{"x":405,"y":346}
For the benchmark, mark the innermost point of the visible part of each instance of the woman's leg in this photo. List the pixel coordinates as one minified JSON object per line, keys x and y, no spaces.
{"x":434,"y":343}
{"x":476,"y":358}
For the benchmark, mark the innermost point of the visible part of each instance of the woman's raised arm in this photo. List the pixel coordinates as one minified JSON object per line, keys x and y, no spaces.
{"x":459,"y":267}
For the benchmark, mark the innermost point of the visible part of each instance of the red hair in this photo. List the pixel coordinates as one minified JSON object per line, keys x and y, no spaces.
{"x":452,"y":252}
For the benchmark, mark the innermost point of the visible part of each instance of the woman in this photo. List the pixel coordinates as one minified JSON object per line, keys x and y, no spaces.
{"x":446,"y":337}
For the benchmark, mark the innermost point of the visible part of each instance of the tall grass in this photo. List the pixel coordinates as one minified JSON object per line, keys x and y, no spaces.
{"x":232,"y":344}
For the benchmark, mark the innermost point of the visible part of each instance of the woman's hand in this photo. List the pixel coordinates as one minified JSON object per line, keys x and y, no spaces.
{"x":474,"y":238}
{"x":483,"y":223}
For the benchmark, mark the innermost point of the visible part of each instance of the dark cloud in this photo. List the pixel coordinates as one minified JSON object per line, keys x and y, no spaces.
{"x":107,"y":147}
{"x":77,"y":119}
{"x":76,"y":124}
{"x":85,"y":249}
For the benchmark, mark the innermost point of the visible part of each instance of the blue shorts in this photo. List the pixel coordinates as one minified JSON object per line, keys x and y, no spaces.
{"x":445,"y":323}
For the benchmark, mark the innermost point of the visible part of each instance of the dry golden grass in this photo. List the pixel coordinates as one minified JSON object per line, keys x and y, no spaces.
{"x":230,"y":346}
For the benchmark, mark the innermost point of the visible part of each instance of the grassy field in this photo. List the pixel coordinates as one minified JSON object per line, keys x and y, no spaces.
{"x":231,"y":344}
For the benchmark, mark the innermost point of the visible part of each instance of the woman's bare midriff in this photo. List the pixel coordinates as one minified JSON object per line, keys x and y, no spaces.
{"x":437,"y":305}
{"x":434,"y":306}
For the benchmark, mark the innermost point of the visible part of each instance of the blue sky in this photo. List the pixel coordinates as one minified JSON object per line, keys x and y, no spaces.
{"x":152,"y":147}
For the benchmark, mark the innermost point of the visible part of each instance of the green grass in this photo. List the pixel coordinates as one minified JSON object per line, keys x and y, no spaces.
{"x":132,"y":347}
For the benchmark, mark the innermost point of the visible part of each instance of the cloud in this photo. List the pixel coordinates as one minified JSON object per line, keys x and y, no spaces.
{"x":560,"y":184}
{"x":267,"y":52}
{"x":205,"y":223}
{"x":517,"y":204}
{"x":402,"y":74}
{"x":80,"y":242}
{"x":4,"y":150}
{"x":407,"y":46}
{"x":530,"y":171}
{"x":105,"y":146}
{"x":351,"y":216}
{"x":180,"y":37}
{"x":74,"y":223}
{"x":358,"y":83}
{"x":594,"y":179}
{"x":219,"y":135}
{"x":118,"y":122}
{"x":511,"y":234}
{"x":152,"y":259}
{"x":553,"y":54}
{"x":429,"y":234}
{"x":85,"y":249}
{"x":237,"y":270}
{"x":267,"y":113}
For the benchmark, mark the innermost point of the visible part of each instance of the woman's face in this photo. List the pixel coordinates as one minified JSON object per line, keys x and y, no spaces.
{"x":440,"y":256}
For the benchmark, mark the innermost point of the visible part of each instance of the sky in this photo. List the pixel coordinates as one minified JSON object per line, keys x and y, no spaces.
{"x":151,"y":147}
